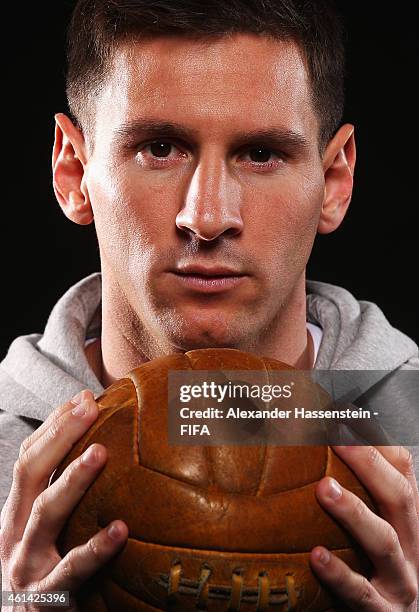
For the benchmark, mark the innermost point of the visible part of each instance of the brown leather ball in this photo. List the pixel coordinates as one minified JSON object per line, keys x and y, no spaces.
{"x":210,"y":528}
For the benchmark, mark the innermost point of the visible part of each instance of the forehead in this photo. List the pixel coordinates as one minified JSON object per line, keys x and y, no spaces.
{"x":242,"y":80}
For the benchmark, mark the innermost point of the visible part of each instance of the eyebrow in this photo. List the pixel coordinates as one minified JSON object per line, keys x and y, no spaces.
{"x":129,"y":133}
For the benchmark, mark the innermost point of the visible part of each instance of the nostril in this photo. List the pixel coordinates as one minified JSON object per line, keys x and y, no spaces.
{"x":207,"y":232}
{"x":204,"y":234}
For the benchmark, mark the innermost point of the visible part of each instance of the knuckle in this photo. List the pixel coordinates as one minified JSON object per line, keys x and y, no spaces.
{"x":20,"y":468}
{"x":55,"y":429}
{"x":411,"y":592}
{"x":405,"y":499}
{"x":68,"y":567}
{"x":95,"y":550}
{"x":39,"y":508}
{"x":71,"y":476}
{"x":365,"y":592}
{"x":23,"y":449}
{"x":406,"y":461}
{"x":391,"y":545}
{"x":373,"y":455}
{"x":358,"y":510}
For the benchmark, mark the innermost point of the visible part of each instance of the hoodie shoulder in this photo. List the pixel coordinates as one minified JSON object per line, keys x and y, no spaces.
{"x":42,"y":371}
{"x":356,"y":333}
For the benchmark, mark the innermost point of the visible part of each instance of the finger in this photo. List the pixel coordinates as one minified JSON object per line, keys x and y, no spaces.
{"x":52,"y":508}
{"x":54,"y":416}
{"x":377,"y":538}
{"x":351,"y":588}
{"x":391,"y":491}
{"x":33,"y":469}
{"x":85,"y":560}
{"x":402,"y":459}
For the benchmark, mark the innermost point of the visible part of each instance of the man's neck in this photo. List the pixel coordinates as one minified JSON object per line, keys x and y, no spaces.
{"x":112,"y":355}
{"x":94,"y":357}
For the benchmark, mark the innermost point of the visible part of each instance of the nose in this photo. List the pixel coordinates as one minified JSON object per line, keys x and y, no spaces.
{"x":212,"y":203}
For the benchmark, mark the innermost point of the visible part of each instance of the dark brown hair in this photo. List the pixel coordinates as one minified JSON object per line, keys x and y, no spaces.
{"x":98,"y":26}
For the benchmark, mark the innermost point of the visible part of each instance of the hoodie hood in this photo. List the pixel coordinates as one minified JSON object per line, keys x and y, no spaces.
{"x":42,"y":371}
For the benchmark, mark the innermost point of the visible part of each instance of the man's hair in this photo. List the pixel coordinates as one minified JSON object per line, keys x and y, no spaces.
{"x":97,"y":28}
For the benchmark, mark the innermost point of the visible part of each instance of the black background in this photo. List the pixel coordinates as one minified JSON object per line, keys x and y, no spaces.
{"x":373,"y":254}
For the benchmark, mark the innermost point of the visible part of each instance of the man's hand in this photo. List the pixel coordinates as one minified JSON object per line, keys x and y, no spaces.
{"x":34,"y":513}
{"x":391,"y":540}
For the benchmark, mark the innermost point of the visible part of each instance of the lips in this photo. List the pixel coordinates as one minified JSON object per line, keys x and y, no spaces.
{"x":208,"y":279}
{"x":212,"y":271}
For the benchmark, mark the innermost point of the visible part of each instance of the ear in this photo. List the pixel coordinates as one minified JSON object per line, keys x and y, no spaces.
{"x":69,"y":161}
{"x":338,"y":166}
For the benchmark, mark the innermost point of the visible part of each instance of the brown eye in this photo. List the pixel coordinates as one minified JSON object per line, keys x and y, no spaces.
{"x":260,"y":155}
{"x":160,"y":149}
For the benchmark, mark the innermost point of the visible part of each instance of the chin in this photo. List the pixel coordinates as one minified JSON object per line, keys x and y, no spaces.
{"x":216,"y":331}
{"x":191,"y":341}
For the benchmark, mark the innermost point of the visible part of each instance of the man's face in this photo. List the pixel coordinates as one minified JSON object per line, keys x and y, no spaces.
{"x":211,"y":191}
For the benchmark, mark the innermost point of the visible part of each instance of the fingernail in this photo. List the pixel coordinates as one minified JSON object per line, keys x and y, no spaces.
{"x":90,"y":457}
{"x":80,"y":410}
{"x":114,"y":532}
{"x":323,"y":556}
{"x":334,"y":489}
{"x":77,"y":398}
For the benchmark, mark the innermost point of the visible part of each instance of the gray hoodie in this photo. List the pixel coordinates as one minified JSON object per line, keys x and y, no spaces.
{"x":43,"y":371}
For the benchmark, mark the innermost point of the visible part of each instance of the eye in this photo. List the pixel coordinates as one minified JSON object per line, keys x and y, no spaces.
{"x":158,"y":154}
{"x":261,"y":158}
{"x":160,"y":148}
{"x":260,"y":154}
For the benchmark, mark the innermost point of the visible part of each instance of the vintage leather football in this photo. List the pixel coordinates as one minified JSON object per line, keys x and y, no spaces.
{"x":210,"y":528}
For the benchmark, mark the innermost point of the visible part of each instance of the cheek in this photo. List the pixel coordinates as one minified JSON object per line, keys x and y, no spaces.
{"x":131,"y":216}
{"x":287,"y":215}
